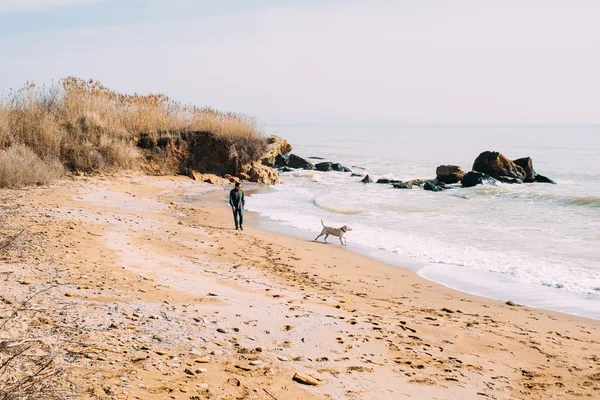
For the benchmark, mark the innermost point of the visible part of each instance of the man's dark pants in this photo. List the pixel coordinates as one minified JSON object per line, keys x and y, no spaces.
{"x":238,"y":212}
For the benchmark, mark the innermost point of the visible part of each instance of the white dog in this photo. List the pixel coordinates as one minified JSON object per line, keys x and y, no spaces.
{"x":337,"y":232}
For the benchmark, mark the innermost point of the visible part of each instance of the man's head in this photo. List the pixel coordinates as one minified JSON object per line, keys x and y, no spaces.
{"x":238,"y":186}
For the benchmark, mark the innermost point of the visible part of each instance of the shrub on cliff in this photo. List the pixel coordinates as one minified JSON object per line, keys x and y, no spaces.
{"x":90,"y":128}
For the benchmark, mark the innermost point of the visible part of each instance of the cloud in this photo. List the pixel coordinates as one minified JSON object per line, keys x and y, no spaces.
{"x":352,"y":62}
{"x":14,"y":6}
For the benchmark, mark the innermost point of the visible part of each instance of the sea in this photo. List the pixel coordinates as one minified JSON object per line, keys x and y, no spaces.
{"x":535,"y":244}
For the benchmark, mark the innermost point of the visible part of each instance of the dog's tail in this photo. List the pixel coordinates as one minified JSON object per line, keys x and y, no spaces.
{"x":322,"y":223}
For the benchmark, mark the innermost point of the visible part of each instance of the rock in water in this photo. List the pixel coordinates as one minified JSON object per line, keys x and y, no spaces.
{"x":434,"y":186}
{"x":324,"y":166}
{"x":367,"y":179}
{"x":403,"y":185}
{"x":544,"y":179}
{"x":329,"y":166}
{"x":280,"y":161}
{"x":449,"y":173}
{"x":293,"y":161}
{"x":385,"y":180}
{"x":527,"y":164}
{"x":496,"y":165}
{"x":417,"y":182}
{"x":472,"y":178}
{"x":475,"y":178}
{"x":340,"y":168}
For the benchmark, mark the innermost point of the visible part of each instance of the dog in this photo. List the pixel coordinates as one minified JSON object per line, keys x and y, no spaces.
{"x":337,"y":232}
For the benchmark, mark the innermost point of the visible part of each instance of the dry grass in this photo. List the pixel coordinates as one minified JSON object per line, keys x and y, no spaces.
{"x":29,"y":368}
{"x":87,"y":127}
{"x":20,"y":166}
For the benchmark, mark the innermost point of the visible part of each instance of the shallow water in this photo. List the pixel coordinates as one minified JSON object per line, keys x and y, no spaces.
{"x":536,"y":242}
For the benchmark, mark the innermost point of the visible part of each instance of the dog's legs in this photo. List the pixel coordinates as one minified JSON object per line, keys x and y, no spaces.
{"x":326,"y":236}
{"x":320,"y":234}
{"x":341,"y":241}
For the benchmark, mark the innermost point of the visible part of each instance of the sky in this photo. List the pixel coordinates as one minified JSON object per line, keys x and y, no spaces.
{"x":323,"y":62}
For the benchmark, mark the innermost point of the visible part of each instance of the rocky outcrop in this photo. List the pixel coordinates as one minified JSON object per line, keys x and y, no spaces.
{"x":293,"y":161}
{"x":340,"y":168}
{"x":403,"y":185}
{"x":527,"y":164}
{"x":258,"y":172}
{"x":208,"y":157}
{"x":417,"y":182}
{"x":276,"y":145}
{"x":366,"y":179}
{"x":329,"y":166}
{"x":209,"y":178}
{"x":531,"y":176}
{"x":387,"y":181}
{"x":231,"y":179}
{"x":544,"y":179}
{"x":475,"y":178}
{"x":497,"y":165}
{"x":434,"y":186}
{"x":449,"y":173}
{"x":323,"y":166}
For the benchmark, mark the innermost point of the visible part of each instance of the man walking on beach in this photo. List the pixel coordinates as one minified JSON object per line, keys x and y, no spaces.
{"x":237,"y":203}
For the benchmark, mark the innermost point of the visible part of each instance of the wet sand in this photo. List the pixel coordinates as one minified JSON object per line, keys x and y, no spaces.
{"x":153,"y":294}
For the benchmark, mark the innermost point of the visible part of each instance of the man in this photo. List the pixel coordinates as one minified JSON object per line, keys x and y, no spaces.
{"x":237,"y":203}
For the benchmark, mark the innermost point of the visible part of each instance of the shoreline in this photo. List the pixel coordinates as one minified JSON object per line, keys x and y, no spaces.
{"x":139,"y":258}
{"x":383,"y":257}
{"x":487,"y":284}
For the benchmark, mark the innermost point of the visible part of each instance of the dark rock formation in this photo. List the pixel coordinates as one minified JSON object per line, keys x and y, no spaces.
{"x":323,"y":166}
{"x":544,"y":179}
{"x":340,"y":168}
{"x":496,"y":165}
{"x":475,"y":178}
{"x":527,"y":164}
{"x":355,"y":175}
{"x":367,"y":179}
{"x":434,"y":185}
{"x":385,"y":180}
{"x":449,"y":173}
{"x":329,"y":166}
{"x":292,"y":161}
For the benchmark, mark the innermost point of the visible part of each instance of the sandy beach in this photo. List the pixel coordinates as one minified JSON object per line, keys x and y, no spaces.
{"x":143,"y":290}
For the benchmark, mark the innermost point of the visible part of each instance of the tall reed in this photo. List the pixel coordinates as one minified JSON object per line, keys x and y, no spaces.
{"x":87,"y":127}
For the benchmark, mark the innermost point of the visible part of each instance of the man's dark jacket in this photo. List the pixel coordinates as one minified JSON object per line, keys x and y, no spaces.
{"x":236,"y":198}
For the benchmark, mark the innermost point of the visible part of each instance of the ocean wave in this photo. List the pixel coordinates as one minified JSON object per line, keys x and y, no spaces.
{"x":592,"y":201}
{"x":559,"y":199}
